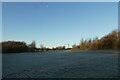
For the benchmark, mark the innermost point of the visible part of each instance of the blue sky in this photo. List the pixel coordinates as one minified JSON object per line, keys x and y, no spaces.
{"x":54,"y":24}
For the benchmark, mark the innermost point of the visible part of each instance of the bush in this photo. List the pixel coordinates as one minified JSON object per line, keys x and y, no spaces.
{"x":14,"y":47}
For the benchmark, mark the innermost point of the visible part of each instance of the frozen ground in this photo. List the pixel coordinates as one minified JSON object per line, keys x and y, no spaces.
{"x":60,"y":64}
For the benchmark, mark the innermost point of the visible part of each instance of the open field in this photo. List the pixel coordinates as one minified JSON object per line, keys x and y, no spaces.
{"x":61,"y":64}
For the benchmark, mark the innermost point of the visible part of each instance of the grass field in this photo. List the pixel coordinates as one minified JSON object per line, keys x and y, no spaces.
{"x":61,"y":64}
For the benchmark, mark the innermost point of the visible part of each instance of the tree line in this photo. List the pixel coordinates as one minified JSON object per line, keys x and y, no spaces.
{"x":14,"y":46}
{"x":21,"y":46}
{"x":110,"y":41}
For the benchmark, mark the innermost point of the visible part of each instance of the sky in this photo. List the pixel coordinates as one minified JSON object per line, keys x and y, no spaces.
{"x":57,"y":23}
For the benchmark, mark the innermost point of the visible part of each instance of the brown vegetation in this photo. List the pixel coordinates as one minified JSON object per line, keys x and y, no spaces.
{"x":14,"y":46}
{"x":107,"y":42}
{"x":110,"y":41}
